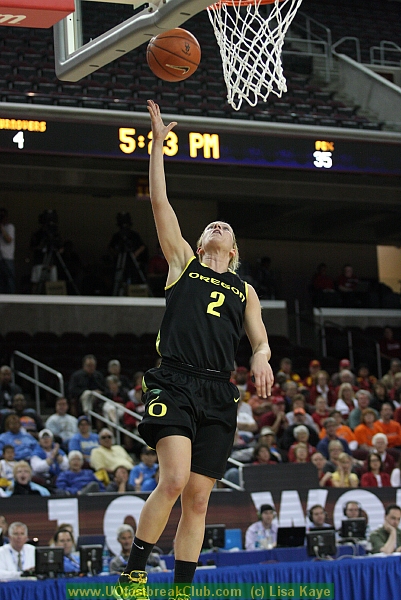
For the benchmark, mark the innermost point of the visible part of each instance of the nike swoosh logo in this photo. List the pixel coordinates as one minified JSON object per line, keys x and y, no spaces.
{"x":140,"y":547}
{"x":182,"y":69}
{"x":236,"y":399}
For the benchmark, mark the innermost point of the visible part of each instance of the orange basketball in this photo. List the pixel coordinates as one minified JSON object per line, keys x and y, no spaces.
{"x":173,"y":55}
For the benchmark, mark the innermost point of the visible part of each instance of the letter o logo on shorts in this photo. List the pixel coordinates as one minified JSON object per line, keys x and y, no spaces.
{"x":159,"y":412}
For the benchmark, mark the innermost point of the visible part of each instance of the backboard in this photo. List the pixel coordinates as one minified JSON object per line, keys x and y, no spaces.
{"x":101,"y":31}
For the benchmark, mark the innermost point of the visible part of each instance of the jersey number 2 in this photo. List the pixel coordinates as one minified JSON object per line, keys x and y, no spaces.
{"x":213,"y":305}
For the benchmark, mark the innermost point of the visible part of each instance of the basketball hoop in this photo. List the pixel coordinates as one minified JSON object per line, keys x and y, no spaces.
{"x":250,"y":46}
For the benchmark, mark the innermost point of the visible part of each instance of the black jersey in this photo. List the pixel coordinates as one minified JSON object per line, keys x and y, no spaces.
{"x":204,"y":317}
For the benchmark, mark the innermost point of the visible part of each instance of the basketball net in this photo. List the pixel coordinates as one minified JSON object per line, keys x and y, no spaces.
{"x":250,"y":46}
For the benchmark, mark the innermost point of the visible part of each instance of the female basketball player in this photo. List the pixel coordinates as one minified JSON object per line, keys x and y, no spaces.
{"x":191,"y":406}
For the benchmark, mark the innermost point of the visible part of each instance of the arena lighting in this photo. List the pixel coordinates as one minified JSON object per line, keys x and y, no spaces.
{"x":34,"y":13}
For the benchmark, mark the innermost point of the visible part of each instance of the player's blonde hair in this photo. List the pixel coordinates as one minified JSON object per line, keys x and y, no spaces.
{"x":234,"y":260}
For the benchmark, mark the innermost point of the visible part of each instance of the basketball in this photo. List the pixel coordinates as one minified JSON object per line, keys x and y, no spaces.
{"x":173,"y":55}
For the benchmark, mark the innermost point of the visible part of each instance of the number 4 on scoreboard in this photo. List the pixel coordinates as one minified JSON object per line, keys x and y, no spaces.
{"x":19,"y":139}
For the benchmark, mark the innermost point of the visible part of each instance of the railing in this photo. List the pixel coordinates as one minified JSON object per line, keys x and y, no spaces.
{"x":349,"y":39}
{"x":309,"y":28}
{"x":385,"y":47}
{"x":35,"y":379}
{"x":312,"y":47}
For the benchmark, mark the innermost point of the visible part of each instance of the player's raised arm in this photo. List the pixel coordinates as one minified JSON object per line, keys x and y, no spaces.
{"x":256,"y":332}
{"x":176,"y":250}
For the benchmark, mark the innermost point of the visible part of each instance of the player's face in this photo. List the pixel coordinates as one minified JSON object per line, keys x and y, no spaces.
{"x":218,"y":232}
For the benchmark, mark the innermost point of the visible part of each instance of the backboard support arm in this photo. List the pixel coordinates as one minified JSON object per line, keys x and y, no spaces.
{"x":74,"y":61}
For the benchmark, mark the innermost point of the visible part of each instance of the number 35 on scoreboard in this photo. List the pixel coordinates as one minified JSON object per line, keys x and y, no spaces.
{"x":323,"y":154}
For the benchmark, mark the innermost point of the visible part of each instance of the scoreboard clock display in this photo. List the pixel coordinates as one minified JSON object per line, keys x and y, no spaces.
{"x":206,"y":142}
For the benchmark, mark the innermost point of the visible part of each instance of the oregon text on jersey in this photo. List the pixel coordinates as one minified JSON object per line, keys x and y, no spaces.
{"x":218,"y":282}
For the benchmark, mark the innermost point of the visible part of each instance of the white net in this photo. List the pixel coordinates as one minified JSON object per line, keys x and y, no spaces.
{"x":251,"y":39}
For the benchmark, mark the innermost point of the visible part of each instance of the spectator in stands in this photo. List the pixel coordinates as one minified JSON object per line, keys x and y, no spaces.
{"x":66,"y":526}
{"x":300,"y":419}
{"x":298,"y":402}
{"x":4,"y":529}
{"x":380,"y":395}
{"x":62,"y":424}
{"x":319,"y":461}
{"x":262,"y":456}
{"x":387,"y":425}
{"x":143,"y":474}
{"x":346,"y":401}
{"x":322,"y":388}
{"x":85,"y":440}
{"x":389,"y":347}
{"x":125,"y":536}
{"x":29,"y":418}
{"x":17,"y":556}
{"x":379,"y":446}
{"x":7,"y":464}
{"x":363,"y":398}
{"x":342,"y":430}
{"x":24,"y":443}
{"x":317,"y":518}
{"x":286,"y":369}
{"x":7,"y":249}
{"x":387,"y":539}
{"x":290,"y":389}
{"x":114,"y":368}
{"x":23,"y":484}
{"x":120,"y":482}
{"x":83,"y":382}
{"x":116,"y":393}
{"x":7,"y":388}
{"x":375,"y":475}
{"x":259,"y":406}
{"x":64,"y":539}
{"x":347,"y":284}
{"x":246,"y":424}
{"x":323,"y":446}
{"x":395,"y":367}
{"x":49,"y":459}
{"x":367,"y":428}
{"x":109,"y":456}
{"x":241,"y":377}
{"x":263,"y":533}
{"x":395,"y":477}
{"x":301,"y":453}
{"x":76,"y":480}
{"x":343,"y":476}
{"x":276,"y":418}
{"x":301,"y":435}
{"x":394,"y":393}
{"x":314,"y":368}
{"x":364,"y":380}
{"x":321,"y":412}
{"x":344,"y":364}
{"x":268,"y":437}
{"x":323,"y":290}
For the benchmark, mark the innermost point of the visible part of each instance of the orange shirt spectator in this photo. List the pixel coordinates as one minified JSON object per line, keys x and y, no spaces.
{"x":367,"y":429}
{"x":387,"y":425}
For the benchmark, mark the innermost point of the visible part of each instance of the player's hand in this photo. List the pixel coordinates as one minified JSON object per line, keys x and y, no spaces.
{"x":159,"y":129}
{"x":263,"y":374}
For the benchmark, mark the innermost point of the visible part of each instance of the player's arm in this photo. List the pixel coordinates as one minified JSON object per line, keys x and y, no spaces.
{"x":256,"y":332}
{"x":176,"y":250}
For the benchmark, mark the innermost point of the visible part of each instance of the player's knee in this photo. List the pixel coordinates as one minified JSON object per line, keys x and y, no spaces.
{"x":173,"y":485}
{"x":199,"y":503}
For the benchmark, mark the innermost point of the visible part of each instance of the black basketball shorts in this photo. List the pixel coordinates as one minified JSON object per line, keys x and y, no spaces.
{"x":198,"y":404}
